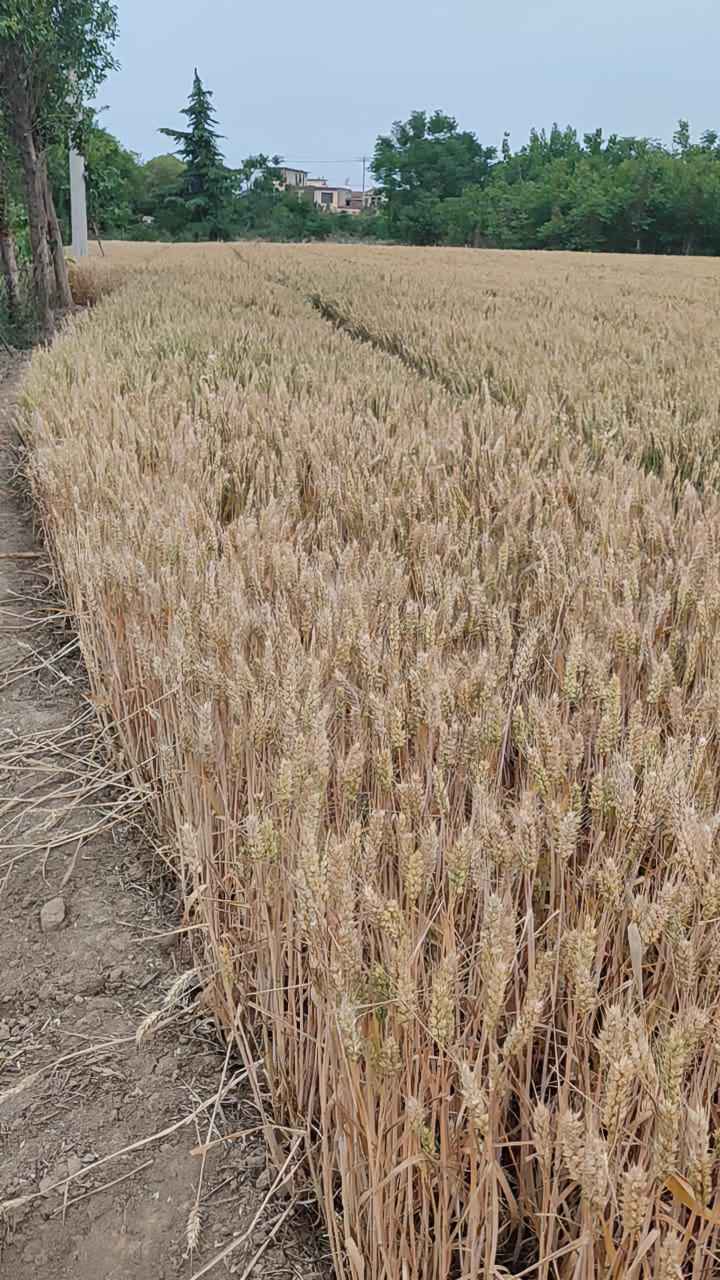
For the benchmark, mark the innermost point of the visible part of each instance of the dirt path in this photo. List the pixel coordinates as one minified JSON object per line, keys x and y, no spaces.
{"x":81,"y":966}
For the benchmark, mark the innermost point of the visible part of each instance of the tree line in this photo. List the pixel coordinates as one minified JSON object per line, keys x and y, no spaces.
{"x":438,"y":183}
{"x":190,"y":193}
{"x":557,"y":191}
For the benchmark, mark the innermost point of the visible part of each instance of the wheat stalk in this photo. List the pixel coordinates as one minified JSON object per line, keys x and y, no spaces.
{"x":402,"y":604}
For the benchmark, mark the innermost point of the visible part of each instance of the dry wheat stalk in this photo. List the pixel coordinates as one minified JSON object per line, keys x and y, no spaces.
{"x":409,"y":629}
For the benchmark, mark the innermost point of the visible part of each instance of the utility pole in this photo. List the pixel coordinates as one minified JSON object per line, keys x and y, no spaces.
{"x":78,"y":205}
{"x":364,"y":163}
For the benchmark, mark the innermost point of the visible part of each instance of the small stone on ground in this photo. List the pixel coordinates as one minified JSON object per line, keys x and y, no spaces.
{"x":52,"y":915}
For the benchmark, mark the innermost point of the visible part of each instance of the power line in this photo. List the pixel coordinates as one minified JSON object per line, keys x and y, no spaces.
{"x":351,"y":160}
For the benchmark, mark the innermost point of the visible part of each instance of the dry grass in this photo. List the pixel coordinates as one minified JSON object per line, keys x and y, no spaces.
{"x":108,"y":268}
{"x":419,"y":669}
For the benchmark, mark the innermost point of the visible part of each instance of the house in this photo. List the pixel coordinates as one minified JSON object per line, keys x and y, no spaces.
{"x":373,"y":198}
{"x":292,"y":177}
{"x":325,"y":196}
{"x":344,"y":199}
{"x":339,"y":199}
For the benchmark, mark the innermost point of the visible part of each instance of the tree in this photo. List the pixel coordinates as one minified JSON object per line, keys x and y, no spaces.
{"x":162,"y":172}
{"x":257,"y":188}
{"x":8,"y":259}
{"x":53,"y":55}
{"x":114,"y":179}
{"x":11,"y":275}
{"x":114,"y":183}
{"x":681,"y":137}
{"x":620,"y":194}
{"x":422,"y":162}
{"x":19,"y":102}
{"x":295,"y":216}
{"x":159,"y":177}
{"x":203,"y":188}
{"x":159,"y":182}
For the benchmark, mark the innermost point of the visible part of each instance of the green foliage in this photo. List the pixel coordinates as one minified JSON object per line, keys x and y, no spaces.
{"x":115,"y":181}
{"x":159,"y":214}
{"x":161,"y":174}
{"x":53,"y":56}
{"x":114,"y":184}
{"x":17,"y":317}
{"x":202,"y":195}
{"x":420,"y":164}
{"x":62,"y":49}
{"x":371,"y":224}
{"x":294,"y":216}
{"x":560,"y":192}
{"x":256,"y":187}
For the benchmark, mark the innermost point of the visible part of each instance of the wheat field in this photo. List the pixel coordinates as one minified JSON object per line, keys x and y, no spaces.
{"x":397,"y":575}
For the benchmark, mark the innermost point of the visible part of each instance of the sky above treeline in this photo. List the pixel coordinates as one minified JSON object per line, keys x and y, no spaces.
{"x":317,"y":82}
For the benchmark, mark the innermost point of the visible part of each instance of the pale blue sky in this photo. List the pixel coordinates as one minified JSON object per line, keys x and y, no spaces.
{"x":317,"y":80}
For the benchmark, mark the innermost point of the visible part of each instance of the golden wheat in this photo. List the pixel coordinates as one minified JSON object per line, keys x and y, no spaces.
{"x":410,"y":625}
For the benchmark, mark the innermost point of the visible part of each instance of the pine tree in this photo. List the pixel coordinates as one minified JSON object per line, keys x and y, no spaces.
{"x":204,"y":186}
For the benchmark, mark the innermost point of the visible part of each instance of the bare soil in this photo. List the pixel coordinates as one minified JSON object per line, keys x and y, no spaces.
{"x":76,"y":1090}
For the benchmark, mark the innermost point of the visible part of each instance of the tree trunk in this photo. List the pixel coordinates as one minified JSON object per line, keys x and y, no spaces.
{"x":7,"y":254}
{"x":18,"y":100}
{"x":54,"y":235}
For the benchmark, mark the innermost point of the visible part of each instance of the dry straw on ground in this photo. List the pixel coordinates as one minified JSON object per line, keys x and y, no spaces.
{"x":410,"y":626}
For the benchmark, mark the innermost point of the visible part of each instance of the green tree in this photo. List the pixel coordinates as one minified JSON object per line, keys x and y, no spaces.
{"x":421,"y":163}
{"x":623,"y":194}
{"x":53,"y":56}
{"x":202,"y":195}
{"x":159,"y":176}
{"x":8,"y":256}
{"x":160,"y":179}
{"x":114,"y":180}
{"x":257,"y":190}
{"x":295,"y":216}
{"x":681,"y":137}
{"x":114,"y":184}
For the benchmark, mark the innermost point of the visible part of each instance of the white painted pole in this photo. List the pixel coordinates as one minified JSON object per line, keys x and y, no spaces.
{"x":78,"y":205}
